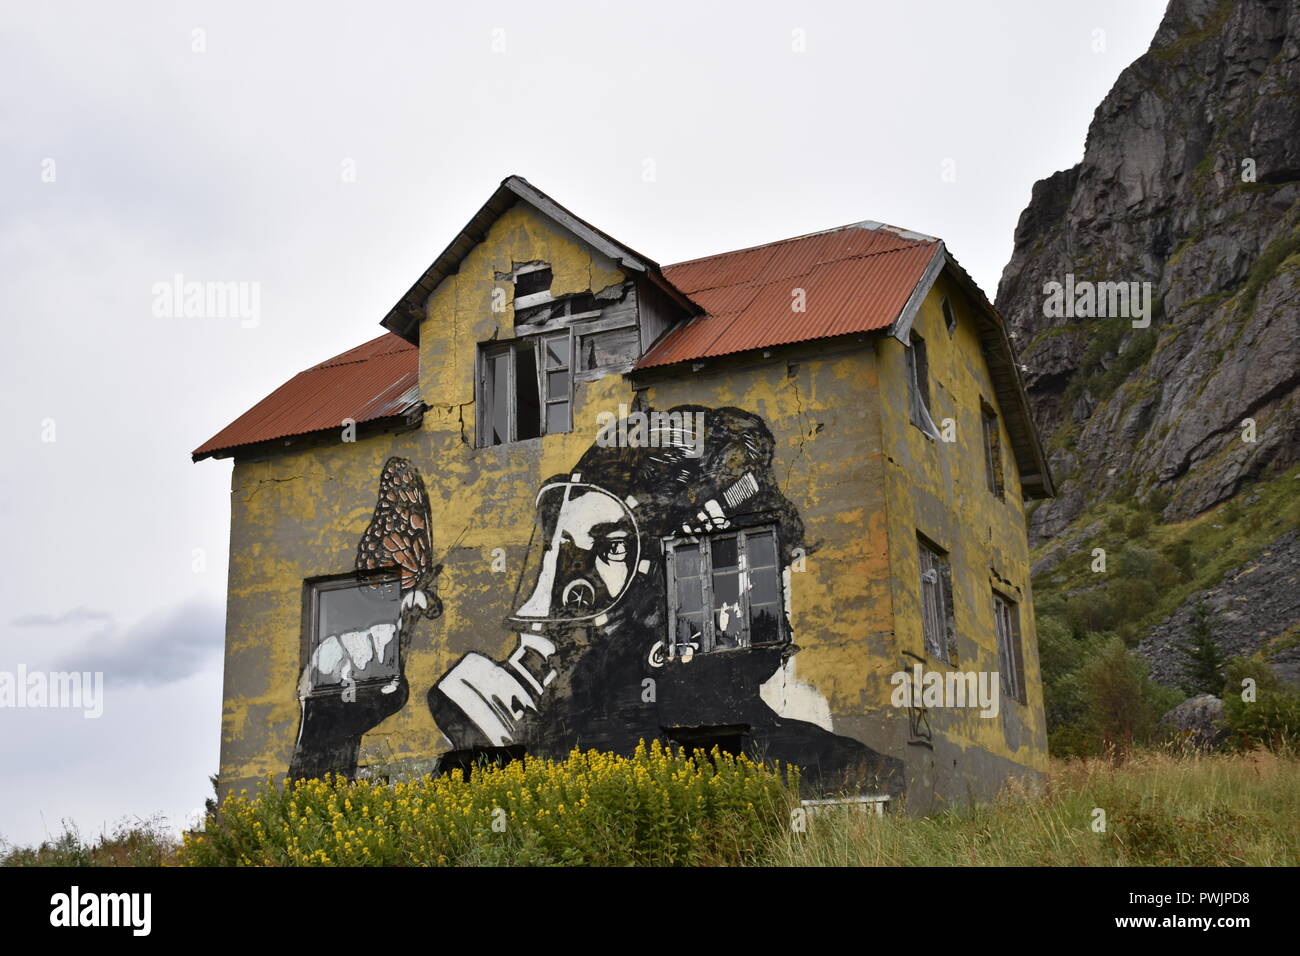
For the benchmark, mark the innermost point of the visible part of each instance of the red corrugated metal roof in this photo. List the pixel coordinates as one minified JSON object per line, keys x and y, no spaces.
{"x":379,"y":379}
{"x":855,"y":279}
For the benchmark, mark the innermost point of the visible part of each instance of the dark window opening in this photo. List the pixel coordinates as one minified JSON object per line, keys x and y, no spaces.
{"x":992,"y":449}
{"x":949,"y":319}
{"x":463,"y":763}
{"x":527,"y":401}
{"x":918,"y":384}
{"x":519,"y":401}
{"x":532,"y":282}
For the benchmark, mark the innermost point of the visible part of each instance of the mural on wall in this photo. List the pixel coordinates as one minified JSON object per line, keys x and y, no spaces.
{"x":678,"y":518}
{"x":652,"y":603}
{"x":355,"y":673}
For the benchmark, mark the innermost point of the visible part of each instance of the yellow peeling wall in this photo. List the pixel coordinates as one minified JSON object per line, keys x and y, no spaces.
{"x":940,"y":489}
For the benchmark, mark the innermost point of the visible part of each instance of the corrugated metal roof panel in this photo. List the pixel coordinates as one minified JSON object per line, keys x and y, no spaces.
{"x":854,"y":279}
{"x":379,"y":379}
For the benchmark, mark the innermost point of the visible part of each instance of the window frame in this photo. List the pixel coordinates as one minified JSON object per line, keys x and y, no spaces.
{"x":312,"y":589}
{"x":991,"y":428}
{"x":484,"y":409}
{"x":1011,"y":645}
{"x":941,"y":617}
{"x":918,"y":368}
{"x":708,"y":636}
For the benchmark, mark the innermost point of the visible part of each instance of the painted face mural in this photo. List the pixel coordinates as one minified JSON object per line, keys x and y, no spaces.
{"x":653,"y":606}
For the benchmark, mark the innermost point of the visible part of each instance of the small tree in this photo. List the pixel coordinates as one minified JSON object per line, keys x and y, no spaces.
{"x":1121,"y":703}
{"x":1203,"y":669}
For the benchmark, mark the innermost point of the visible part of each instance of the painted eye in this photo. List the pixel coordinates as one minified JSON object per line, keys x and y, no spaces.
{"x":615,"y":549}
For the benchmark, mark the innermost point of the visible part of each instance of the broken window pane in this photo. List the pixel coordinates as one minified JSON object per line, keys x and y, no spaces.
{"x":557,"y":351}
{"x":528,"y":415}
{"x":530,"y":283}
{"x":498,"y":388}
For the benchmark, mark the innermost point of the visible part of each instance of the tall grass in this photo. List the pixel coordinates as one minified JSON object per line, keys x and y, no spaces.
{"x":1159,"y":810}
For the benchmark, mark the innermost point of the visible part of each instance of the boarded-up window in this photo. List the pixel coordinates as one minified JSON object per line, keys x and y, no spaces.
{"x":936,"y":601}
{"x":992,"y":448}
{"x":918,"y":384}
{"x":1006,"y":615}
{"x":725,"y":591}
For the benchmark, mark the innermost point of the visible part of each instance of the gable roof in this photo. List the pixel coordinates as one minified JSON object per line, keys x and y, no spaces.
{"x":864,"y":277}
{"x":375,"y":381}
{"x":405,"y":316}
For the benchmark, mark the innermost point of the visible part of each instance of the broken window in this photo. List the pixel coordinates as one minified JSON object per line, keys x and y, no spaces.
{"x":949,"y":319}
{"x":352,"y":631}
{"x":532,"y":282}
{"x":724,"y":592}
{"x":936,"y":601}
{"x":1006,"y":615}
{"x":992,"y":448}
{"x":509,"y":393}
{"x":918,"y":383}
{"x":525,"y":388}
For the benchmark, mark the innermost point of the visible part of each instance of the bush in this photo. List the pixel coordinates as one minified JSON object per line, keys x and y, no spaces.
{"x":658,"y":807}
{"x":146,"y":842}
{"x":1121,"y":704}
{"x":1271,"y":720}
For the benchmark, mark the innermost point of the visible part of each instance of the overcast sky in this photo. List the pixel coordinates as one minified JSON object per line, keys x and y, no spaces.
{"x":136,"y":149}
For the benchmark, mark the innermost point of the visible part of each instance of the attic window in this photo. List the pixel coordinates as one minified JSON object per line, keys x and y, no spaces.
{"x":949,"y":319}
{"x":918,"y":385}
{"x":531,"y":280}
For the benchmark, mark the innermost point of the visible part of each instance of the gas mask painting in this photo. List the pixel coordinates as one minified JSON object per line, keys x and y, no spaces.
{"x":653,"y":604}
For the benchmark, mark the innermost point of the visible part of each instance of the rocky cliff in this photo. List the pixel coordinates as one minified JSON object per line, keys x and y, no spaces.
{"x":1190,"y":181}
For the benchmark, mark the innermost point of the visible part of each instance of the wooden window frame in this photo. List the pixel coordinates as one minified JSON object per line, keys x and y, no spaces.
{"x":708,"y":638}
{"x":938,"y":626}
{"x":1011,"y":647}
{"x":991,"y":427}
{"x":918,"y":379}
{"x":483,"y":394}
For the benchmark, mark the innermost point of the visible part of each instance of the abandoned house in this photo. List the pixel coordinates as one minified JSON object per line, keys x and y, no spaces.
{"x":771,"y":500}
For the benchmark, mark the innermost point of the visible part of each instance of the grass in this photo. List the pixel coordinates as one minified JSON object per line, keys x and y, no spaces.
{"x":1159,"y":808}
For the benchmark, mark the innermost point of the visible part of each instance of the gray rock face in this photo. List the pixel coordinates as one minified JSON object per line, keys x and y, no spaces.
{"x":1197,"y":721}
{"x":1250,"y":606}
{"x":1163,"y":195}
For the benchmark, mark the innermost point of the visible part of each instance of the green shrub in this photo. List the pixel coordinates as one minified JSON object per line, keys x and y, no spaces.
{"x":656,"y":808}
{"x":1271,"y":720}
